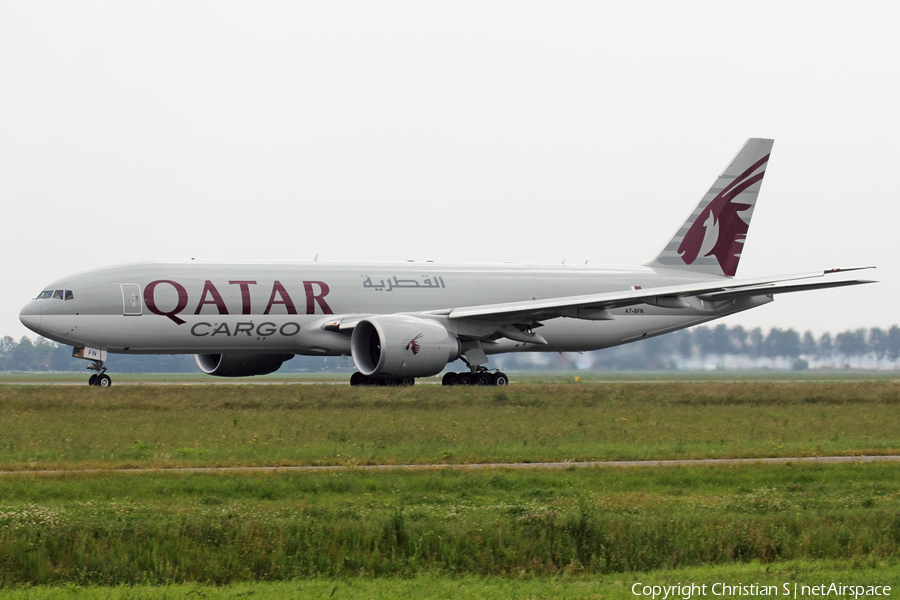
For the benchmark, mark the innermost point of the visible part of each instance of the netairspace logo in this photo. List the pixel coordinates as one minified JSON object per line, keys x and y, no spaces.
{"x":794,"y":590}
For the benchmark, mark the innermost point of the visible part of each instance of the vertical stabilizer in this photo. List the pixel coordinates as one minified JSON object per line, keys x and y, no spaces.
{"x":712,"y":238}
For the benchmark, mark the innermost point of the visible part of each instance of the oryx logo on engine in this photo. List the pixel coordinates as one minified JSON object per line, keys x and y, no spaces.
{"x":413,"y":345}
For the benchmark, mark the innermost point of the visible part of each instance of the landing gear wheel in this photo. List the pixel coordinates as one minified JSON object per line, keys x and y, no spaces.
{"x":358,"y":379}
{"x":408,"y":381}
{"x":483,"y":379}
{"x":499,"y":379}
{"x":450,"y":379}
{"x":99,"y":378}
{"x":465,"y":379}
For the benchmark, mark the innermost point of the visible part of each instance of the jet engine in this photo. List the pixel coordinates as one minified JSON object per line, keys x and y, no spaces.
{"x":240,"y":365}
{"x":402,"y":346}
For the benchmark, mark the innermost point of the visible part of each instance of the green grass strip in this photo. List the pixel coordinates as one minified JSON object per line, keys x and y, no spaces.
{"x":162,"y":529}
{"x":59,"y":427}
{"x":432,"y":587}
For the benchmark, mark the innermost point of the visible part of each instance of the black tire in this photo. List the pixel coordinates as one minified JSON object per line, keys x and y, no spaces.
{"x":104,"y":380}
{"x":92,"y":380}
{"x":499,"y":379}
{"x":465,"y":379}
{"x":450,"y":378}
{"x":483,"y":379}
{"x":408,"y":381}
{"x":357,"y":379}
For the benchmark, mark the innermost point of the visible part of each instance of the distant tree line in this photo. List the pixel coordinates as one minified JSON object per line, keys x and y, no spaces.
{"x":44,"y":355}
{"x":735,"y":347}
{"x":696,"y":348}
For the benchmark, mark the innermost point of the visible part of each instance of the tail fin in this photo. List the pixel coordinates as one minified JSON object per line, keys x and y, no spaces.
{"x":712,"y":238}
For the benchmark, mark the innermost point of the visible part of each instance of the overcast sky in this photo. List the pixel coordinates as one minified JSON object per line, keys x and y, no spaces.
{"x":447,"y":131}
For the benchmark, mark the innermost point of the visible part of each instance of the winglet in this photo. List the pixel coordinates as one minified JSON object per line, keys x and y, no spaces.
{"x":712,"y":238}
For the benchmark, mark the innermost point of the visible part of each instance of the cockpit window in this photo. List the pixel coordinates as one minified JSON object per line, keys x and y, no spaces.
{"x":57,"y":294}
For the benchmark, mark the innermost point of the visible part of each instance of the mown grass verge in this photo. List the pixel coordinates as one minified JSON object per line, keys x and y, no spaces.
{"x":56,"y":427}
{"x":161,"y":529}
{"x":433,"y":586}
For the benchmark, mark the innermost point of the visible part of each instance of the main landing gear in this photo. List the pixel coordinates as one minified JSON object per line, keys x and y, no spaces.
{"x":360,"y":379}
{"x":100,"y":378}
{"x":477,"y":375}
{"x":480,"y":377}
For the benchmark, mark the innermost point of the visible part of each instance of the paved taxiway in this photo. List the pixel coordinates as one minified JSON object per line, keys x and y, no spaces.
{"x":120,"y":383}
{"x":539,"y":465}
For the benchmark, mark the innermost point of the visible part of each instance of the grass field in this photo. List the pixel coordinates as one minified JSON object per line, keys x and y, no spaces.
{"x":62,"y":427}
{"x":496,"y":533}
{"x":613,"y":586}
{"x":164,"y":528}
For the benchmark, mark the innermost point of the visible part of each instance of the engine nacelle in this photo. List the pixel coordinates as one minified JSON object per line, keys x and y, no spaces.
{"x":402,"y":346}
{"x":240,"y":365}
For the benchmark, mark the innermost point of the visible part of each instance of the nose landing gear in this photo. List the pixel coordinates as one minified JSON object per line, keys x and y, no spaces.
{"x":97,"y":358}
{"x":100,"y":378}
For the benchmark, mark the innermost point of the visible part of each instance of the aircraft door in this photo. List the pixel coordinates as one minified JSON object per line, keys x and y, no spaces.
{"x":131,"y":299}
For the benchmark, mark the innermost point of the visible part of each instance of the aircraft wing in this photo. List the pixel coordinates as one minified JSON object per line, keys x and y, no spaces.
{"x":670,"y":296}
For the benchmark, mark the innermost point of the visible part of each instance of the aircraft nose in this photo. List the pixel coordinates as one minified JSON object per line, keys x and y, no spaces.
{"x":31,"y":316}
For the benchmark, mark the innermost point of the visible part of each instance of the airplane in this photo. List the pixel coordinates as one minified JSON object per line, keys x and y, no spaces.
{"x":402,"y":321}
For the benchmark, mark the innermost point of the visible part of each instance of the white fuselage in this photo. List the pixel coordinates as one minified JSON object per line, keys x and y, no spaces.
{"x":200,"y":308}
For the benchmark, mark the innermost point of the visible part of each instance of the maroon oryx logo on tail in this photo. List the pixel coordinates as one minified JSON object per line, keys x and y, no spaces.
{"x":718,"y":230}
{"x":413,"y":344}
